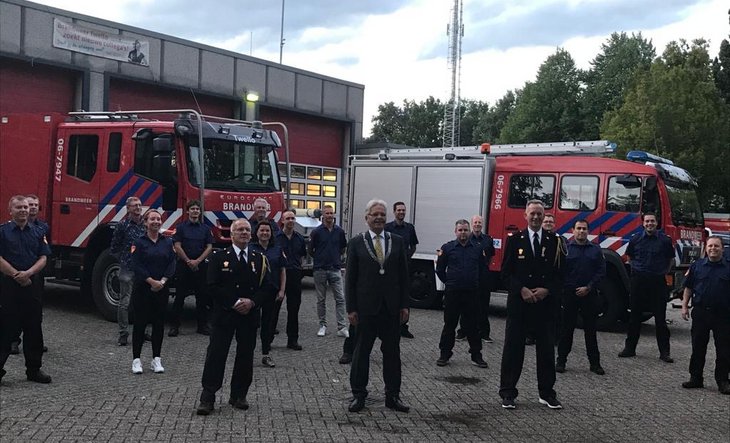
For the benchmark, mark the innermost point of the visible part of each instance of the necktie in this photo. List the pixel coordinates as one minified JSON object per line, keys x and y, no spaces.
{"x":536,"y":245}
{"x":242,"y":256}
{"x":379,"y":248}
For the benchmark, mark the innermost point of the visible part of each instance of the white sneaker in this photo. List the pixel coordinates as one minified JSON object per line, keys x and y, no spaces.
{"x":343,"y":333}
{"x":136,"y":366}
{"x":156,"y":365}
{"x":322,"y":331}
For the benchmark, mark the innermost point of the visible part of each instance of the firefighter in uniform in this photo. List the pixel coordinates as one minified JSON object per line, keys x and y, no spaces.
{"x":193,"y":244}
{"x":294,"y":248}
{"x":458,"y":267}
{"x":708,"y":284}
{"x":23,"y":252}
{"x":399,"y":226}
{"x":238,"y":281}
{"x":531,"y":269}
{"x":651,"y":255}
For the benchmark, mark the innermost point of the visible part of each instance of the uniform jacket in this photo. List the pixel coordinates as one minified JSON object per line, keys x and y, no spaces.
{"x":521,"y":268}
{"x":230,"y":279}
{"x":365,"y":288}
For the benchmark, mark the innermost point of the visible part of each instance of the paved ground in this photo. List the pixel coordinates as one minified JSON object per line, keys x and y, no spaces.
{"x":94,"y":396}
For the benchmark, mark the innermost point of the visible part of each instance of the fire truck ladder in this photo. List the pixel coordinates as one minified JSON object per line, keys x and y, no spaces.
{"x":589,"y":148}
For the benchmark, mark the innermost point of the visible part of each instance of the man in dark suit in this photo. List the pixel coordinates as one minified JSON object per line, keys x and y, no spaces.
{"x":376,"y":288}
{"x":238,"y":282}
{"x":531,"y":270}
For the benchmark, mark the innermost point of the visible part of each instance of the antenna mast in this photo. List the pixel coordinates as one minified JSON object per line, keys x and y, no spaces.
{"x":452,"y":109}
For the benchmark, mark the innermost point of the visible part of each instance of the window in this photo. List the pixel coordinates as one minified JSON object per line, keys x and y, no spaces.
{"x":298,"y":171}
{"x":82,"y":155}
{"x":314,"y":190}
{"x":524,"y":188}
{"x":314,"y":204}
{"x":623,"y":197}
{"x":297,"y":204}
{"x":330,"y":175}
{"x":314,"y":173}
{"x":114,"y":157}
{"x":578,"y":193}
{"x":282,"y":170}
{"x":329,"y":191}
{"x":296,"y":188}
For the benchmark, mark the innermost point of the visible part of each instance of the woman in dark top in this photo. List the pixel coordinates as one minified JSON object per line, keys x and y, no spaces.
{"x":277,"y":265}
{"x":153,"y":263}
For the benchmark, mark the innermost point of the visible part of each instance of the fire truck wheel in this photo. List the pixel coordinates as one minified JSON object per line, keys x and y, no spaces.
{"x":423,"y":286}
{"x":612,"y":306}
{"x":105,"y":285}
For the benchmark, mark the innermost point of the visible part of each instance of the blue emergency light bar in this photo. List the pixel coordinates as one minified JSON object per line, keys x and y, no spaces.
{"x":643,"y":157}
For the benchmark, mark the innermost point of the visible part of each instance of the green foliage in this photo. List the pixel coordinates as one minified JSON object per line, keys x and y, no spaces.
{"x":549,"y":108}
{"x":721,"y":69}
{"x":413,"y":124}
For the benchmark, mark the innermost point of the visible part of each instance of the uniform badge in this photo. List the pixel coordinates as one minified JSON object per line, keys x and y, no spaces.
{"x":520,"y":251}
{"x":225,"y":264}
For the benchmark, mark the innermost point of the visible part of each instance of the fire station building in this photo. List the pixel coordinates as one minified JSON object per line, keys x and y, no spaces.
{"x":53,"y":60}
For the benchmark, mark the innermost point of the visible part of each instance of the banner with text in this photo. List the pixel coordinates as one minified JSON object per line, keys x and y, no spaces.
{"x":99,"y":43}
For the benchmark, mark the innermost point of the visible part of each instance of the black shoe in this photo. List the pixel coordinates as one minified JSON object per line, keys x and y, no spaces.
{"x":529,"y":341}
{"x":396,"y":404}
{"x":204,"y":408}
{"x":597,"y":369}
{"x":356,"y":404}
{"x":551,"y":402}
{"x":405,"y":333}
{"x":724,"y":387}
{"x":238,"y":403}
{"x":15,"y":348}
{"x":203,"y":330}
{"x":122,"y":340}
{"x":268,"y":362}
{"x":45,"y":348}
{"x":487,"y":339}
{"x":173,"y":332}
{"x":627,"y":353}
{"x":276,"y":332}
{"x":479,"y":362}
{"x":460,"y":335}
{"x":693,"y":383}
{"x":508,"y":403}
{"x":38,"y":376}
{"x":443,"y":360}
{"x":346,"y":358}
{"x":560,"y":367}
{"x":296,"y":346}
{"x":666,"y":358}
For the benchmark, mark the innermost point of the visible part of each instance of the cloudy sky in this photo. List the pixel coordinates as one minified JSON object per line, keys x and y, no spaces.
{"x":397,"y":48}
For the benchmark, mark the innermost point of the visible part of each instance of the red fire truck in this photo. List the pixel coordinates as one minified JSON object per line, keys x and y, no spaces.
{"x":84,"y":166}
{"x":575,"y":180}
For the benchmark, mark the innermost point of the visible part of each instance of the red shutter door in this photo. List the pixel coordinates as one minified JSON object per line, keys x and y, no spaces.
{"x":125,"y":95}
{"x":312,"y":140}
{"x":35,"y":88}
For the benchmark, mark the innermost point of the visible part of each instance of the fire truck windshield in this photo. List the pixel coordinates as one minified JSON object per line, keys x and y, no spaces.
{"x":685,"y":205}
{"x":232,"y":166}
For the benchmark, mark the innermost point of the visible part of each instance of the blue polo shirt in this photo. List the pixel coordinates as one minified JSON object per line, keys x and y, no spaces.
{"x":294,"y":248}
{"x":193,"y":238}
{"x":276,"y":259}
{"x":327,"y":247}
{"x":458,"y":265}
{"x":710,"y":283}
{"x":22,"y":247}
{"x":407,"y":231}
{"x":584,"y":265}
{"x":650,"y":254}
{"x":153,"y":259}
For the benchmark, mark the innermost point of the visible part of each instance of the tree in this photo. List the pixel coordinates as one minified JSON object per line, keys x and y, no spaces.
{"x":549,"y":108}
{"x":721,"y":69}
{"x":493,"y":118}
{"x":413,"y":124}
{"x":675,"y":110}
{"x":472,"y":113}
{"x":611,"y":72}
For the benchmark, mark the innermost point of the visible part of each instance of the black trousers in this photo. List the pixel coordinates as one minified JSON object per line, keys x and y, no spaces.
{"x":481,"y":318}
{"x":521,"y":317}
{"x":648,"y":292}
{"x":226,"y":324}
{"x":386,"y":327}
{"x":293,"y":302}
{"x":588,"y":308}
{"x":348,"y":347}
{"x":460,"y":303}
{"x":189,"y":281}
{"x":268,"y":308}
{"x":705,"y":320}
{"x":21,"y":310}
{"x":149,"y":308}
